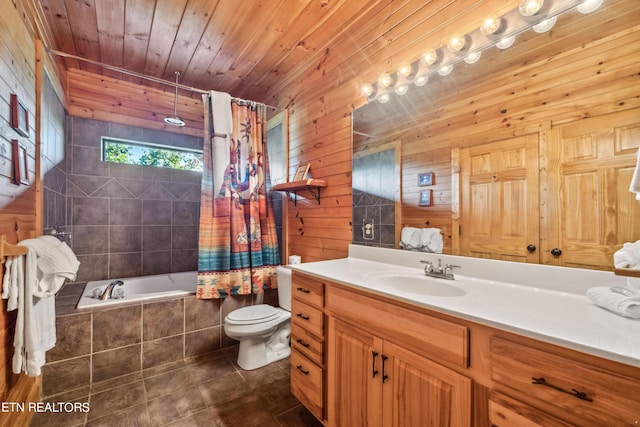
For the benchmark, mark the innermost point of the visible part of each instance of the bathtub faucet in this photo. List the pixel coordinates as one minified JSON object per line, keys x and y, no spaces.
{"x":109,"y":289}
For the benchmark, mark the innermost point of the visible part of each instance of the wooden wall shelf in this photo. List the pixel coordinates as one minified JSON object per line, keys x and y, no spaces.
{"x":629,"y":272}
{"x":311,"y":185}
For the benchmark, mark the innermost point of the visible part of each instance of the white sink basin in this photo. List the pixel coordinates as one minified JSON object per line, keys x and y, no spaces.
{"x":415,"y":283}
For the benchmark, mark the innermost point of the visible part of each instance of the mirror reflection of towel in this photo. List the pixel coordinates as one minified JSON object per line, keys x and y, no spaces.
{"x":421,"y":239}
{"x":635,"y":179}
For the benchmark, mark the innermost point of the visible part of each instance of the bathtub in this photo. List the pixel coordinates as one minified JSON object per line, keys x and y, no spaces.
{"x":141,"y":288}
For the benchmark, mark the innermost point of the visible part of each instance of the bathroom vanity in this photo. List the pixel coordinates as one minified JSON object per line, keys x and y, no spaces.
{"x":377,"y":343}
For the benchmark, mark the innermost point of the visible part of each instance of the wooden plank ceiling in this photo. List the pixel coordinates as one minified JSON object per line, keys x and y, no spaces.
{"x":250,"y":49}
{"x":240,"y":47}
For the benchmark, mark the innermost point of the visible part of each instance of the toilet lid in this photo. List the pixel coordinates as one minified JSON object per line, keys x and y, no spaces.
{"x":253,"y":314}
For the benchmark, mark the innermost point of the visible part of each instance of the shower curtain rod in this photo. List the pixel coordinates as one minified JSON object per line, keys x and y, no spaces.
{"x":143,"y":76}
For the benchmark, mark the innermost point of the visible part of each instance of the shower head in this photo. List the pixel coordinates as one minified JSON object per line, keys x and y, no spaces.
{"x":175,"y":120}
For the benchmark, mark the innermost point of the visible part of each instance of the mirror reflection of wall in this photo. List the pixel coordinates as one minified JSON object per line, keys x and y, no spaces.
{"x":374,"y":190}
{"x":546,"y":86}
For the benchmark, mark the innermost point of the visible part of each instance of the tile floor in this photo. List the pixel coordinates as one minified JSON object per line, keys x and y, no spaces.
{"x":207,"y":390}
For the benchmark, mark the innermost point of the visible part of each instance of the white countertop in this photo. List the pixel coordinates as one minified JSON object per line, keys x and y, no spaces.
{"x":556,"y":310}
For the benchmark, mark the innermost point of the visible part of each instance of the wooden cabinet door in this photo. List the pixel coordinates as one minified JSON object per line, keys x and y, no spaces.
{"x":418,"y":392}
{"x":590,"y":212}
{"x":499,"y":200}
{"x":354,"y":376}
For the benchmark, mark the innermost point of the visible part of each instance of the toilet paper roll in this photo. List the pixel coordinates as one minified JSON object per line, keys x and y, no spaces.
{"x":295,"y":259}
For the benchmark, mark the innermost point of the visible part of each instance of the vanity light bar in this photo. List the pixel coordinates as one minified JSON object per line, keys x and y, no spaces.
{"x":499,"y":31}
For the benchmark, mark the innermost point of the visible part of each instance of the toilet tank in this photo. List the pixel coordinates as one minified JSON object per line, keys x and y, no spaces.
{"x":284,"y":287}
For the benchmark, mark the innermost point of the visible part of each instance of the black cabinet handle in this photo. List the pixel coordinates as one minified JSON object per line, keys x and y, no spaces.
{"x":302,"y":316}
{"x":299,"y":368}
{"x":556,"y":252}
{"x":384,"y":376}
{"x":302,"y":343}
{"x":306,"y":291}
{"x":531,"y":248}
{"x":374,"y":372}
{"x":579,"y":394}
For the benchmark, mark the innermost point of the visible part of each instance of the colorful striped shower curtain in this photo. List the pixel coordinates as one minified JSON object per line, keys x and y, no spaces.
{"x":238,"y":245}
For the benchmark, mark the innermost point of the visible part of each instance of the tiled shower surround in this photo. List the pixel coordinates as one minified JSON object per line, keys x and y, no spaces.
{"x":126,"y":221}
{"x":99,"y":345}
{"x":129,"y":220}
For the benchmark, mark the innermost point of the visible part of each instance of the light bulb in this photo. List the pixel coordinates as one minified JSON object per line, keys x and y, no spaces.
{"x":546,"y":25}
{"x":385,"y":80}
{"x":430,"y":58}
{"x":406,"y":70}
{"x":421,"y":80}
{"x":491,"y":25}
{"x":456,"y":44}
{"x":473,"y":57}
{"x":530,"y":7}
{"x":445,"y":70}
{"x":384,"y":98}
{"x":401,"y":90}
{"x":589,"y":6}
{"x":367,"y":89}
{"x":506,"y":42}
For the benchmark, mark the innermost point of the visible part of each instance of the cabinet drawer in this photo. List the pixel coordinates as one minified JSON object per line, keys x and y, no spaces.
{"x":308,"y":318}
{"x":507,"y":412}
{"x":308,"y":290}
{"x":306,"y":383}
{"x":432,"y":337}
{"x":307,"y":344}
{"x":613,"y":398}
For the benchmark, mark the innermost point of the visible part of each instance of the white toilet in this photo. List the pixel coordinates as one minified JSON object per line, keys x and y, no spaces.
{"x":263,"y":330}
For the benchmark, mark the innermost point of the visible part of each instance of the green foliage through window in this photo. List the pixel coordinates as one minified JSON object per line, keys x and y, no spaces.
{"x":147,"y":154}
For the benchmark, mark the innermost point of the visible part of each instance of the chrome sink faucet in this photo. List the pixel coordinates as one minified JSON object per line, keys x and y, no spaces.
{"x":439,"y":271}
{"x":109,"y":289}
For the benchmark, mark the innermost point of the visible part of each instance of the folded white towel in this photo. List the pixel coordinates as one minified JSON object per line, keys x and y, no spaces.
{"x":431,"y":240}
{"x":625,"y":305}
{"x":628,"y":256}
{"x":635,"y":179}
{"x":421,"y":239}
{"x":410,"y":238}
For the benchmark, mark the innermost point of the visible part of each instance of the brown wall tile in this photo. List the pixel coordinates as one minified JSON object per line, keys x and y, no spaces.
{"x":201,"y":313}
{"x":117,"y":327}
{"x":162,"y":319}
{"x":117,"y":362}
{"x":65,"y":375}
{"x":164,"y":350}
{"x":73,"y":337}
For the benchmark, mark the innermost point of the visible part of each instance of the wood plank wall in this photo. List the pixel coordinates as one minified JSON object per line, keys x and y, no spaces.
{"x":18,"y":203}
{"x":112,"y":100}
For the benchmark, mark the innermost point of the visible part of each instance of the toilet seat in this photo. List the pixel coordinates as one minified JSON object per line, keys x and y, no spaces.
{"x":253,"y":314}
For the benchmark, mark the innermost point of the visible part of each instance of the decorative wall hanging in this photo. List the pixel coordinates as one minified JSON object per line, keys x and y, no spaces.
{"x":19,"y":116}
{"x":301,"y":172}
{"x":425,"y":179}
{"x":425,"y":198}
{"x":20,"y":169}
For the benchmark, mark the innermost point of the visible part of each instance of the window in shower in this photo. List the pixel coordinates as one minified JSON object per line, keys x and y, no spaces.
{"x":149,"y":154}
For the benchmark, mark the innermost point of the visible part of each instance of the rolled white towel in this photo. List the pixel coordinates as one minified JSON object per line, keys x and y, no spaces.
{"x":431,"y":240}
{"x":628,"y":256}
{"x":410,"y":238}
{"x":626,"y":303}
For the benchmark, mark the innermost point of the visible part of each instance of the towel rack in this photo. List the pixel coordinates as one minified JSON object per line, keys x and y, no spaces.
{"x":7,"y":249}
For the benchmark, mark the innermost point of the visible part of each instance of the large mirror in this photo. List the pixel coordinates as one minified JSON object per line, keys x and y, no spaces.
{"x":523,"y":155}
